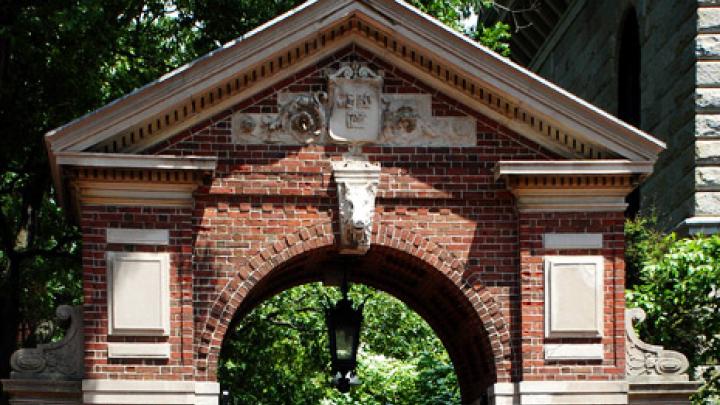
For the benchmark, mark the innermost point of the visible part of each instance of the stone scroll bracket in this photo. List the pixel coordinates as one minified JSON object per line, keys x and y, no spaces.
{"x":646,"y":362}
{"x":62,"y":360}
{"x":357,"y":183}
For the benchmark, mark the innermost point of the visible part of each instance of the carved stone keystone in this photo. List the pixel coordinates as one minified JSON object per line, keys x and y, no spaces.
{"x":650,"y":362}
{"x":62,"y":360}
{"x":357,"y":182}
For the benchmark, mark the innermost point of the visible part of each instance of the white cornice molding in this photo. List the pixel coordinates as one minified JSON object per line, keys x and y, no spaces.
{"x":214,"y":66}
{"x":128,"y":161}
{"x":518,"y":84}
{"x":572,"y":167}
{"x":529,"y":89}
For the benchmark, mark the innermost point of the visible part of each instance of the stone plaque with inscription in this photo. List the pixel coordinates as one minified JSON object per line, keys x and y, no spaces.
{"x":355,"y":107}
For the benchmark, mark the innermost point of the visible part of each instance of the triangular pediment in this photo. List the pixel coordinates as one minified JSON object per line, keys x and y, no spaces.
{"x":271,"y":56}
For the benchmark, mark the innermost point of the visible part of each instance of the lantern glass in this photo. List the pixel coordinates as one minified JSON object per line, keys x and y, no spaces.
{"x":344,"y":342}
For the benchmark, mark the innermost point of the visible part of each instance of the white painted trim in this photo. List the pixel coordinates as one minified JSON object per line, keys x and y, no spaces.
{"x":163,"y":392}
{"x":138,"y":350}
{"x":573,"y":351}
{"x":572,"y":167}
{"x":599,"y":263}
{"x":132,"y":236}
{"x":129,"y":161}
{"x":163,"y":328}
{"x":572,"y":240}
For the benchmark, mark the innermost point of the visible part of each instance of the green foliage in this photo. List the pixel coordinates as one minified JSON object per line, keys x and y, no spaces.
{"x":679,"y":289}
{"x":405,"y":364}
{"x":454,"y":13}
{"x":644,"y":243}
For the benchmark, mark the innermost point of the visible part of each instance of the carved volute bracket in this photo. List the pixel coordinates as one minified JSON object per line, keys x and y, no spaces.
{"x":650,"y":362}
{"x":62,"y":360}
{"x":357,"y":182}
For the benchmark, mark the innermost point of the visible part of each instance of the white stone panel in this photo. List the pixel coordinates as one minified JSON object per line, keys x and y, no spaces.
{"x":573,"y":296}
{"x":574,"y":351}
{"x":572,"y":240}
{"x":138,"y":350}
{"x":138,"y":236}
{"x":138,"y":293}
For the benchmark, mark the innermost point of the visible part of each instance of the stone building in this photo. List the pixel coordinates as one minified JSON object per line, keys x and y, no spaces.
{"x":355,"y":136}
{"x":652,"y":63}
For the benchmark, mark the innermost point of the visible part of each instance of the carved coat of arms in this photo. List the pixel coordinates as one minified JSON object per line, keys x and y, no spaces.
{"x":355,"y":105}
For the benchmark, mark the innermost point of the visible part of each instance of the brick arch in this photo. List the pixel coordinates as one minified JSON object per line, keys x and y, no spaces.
{"x":319,"y":241}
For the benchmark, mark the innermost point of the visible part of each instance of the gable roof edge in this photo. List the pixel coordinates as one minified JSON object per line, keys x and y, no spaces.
{"x":530,"y":90}
{"x":543,"y":95}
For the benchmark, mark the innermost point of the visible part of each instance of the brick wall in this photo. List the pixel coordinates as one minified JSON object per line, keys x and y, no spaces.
{"x":532,"y":226}
{"x":93,"y":223}
{"x":442,"y":221}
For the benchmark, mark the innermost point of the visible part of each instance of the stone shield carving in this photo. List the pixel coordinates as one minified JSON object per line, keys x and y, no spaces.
{"x":357,"y":182}
{"x":355,"y":107}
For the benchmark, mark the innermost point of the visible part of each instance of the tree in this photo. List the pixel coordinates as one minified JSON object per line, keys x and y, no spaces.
{"x":679,"y":289}
{"x":405,"y":364}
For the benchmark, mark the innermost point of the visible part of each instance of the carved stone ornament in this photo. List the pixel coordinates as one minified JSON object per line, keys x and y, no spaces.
{"x":408,"y":121}
{"x":300,"y":120}
{"x":355,"y":112}
{"x":62,"y":360}
{"x":357,"y":182}
{"x":649,"y":362}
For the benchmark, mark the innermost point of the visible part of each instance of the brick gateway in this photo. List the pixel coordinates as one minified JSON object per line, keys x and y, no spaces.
{"x":356,"y":135}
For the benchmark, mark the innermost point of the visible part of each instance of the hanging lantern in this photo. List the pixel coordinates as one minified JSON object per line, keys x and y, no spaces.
{"x":343,"y":323}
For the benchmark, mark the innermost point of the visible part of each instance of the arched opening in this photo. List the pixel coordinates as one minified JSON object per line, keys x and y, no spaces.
{"x":465,"y":317}
{"x":629,"y":94}
{"x":278,"y":352}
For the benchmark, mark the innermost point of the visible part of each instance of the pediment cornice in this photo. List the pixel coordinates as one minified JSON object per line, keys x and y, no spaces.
{"x":252,"y":65}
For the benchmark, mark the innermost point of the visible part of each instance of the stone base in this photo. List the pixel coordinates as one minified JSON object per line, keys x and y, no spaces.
{"x":559,"y":392}
{"x":43,"y":392}
{"x":662,"y":392}
{"x":150,"y":392}
{"x":657,"y":391}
